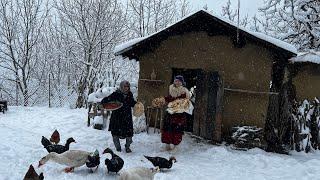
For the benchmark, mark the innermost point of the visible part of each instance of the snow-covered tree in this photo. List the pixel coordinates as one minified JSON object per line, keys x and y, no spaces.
{"x":228,"y":12}
{"x":148,"y":16}
{"x":232,"y":14}
{"x":183,"y":8}
{"x":305,"y":133}
{"x":56,"y":47}
{"x":71,"y":46}
{"x":95,"y":27}
{"x":294,"y":21}
{"x":21,"y":22}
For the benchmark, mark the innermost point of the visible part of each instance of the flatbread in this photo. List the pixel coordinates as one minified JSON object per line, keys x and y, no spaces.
{"x":138,"y":109}
{"x":180,"y":106}
{"x":158,"y":102}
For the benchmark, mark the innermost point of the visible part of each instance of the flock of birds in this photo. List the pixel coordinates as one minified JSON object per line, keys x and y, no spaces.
{"x":75,"y":158}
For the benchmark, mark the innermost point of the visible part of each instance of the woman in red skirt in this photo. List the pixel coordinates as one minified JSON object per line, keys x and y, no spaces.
{"x":174,"y":124}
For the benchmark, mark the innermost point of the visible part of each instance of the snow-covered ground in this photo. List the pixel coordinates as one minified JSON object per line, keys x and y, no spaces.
{"x":21,"y":129}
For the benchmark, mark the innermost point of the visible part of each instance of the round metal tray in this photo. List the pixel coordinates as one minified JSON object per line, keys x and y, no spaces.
{"x":105,"y":106}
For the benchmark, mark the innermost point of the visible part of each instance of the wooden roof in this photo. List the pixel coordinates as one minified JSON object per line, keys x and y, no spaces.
{"x":203,"y":21}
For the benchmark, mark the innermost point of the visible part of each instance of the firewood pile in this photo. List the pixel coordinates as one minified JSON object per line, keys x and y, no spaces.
{"x":247,"y":137}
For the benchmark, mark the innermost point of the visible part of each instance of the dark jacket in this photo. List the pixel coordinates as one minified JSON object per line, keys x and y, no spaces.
{"x":121,"y":119}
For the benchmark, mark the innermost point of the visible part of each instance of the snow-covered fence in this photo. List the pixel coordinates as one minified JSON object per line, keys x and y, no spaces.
{"x":51,"y":94}
{"x":306,"y":126}
{"x":41,"y":94}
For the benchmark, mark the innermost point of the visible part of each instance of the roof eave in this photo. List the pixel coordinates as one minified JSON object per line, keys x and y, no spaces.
{"x":262,"y":41}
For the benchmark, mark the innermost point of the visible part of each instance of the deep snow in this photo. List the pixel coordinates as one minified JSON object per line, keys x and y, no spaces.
{"x":21,"y":129}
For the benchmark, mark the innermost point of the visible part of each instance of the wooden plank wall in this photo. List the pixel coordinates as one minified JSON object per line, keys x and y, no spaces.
{"x":213,"y":86}
{"x":200,"y":108}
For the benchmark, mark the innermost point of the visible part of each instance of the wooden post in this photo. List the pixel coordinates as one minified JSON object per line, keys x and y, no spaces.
{"x":88,"y":123}
{"x":49,"y":91}
{"x":17,"y":92}
{"x":161,"y":119}
{"x":148,"y":118}
{"x":199,"y":110}
{"x":89,"y":115}
{"x":156,"y":120}
{"x":213,"y":103}
{"x":218,"y":116}
{"x":105,"y":117}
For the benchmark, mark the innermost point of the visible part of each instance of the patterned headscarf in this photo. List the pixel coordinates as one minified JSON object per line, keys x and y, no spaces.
{"x":181,"y":79}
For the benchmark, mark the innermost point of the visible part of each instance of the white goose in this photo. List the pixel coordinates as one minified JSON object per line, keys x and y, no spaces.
{"x":139,"y":173}
{"x":71,"y":158}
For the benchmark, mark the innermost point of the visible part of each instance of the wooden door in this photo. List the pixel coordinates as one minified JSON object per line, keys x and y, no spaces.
{"x":214,"y":107}
{"x":200,"y":107}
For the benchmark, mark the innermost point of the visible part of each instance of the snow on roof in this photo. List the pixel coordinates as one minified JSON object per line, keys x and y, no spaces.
{"x":279,"y":43}
{"x":272,"y":40}
{"x":313,"y":57}
{"x":267,"y":38}
{"x":128,"y":45}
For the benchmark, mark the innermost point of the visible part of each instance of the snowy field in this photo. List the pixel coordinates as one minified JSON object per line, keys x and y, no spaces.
{"x":21,"y":130}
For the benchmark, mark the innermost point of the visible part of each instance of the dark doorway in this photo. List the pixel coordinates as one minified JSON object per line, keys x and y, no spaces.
{"x":190,"y":77}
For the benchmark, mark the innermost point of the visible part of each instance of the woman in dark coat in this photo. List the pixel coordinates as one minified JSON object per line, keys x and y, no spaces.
{"x":174,"y":124}
{"x":121,"y":125}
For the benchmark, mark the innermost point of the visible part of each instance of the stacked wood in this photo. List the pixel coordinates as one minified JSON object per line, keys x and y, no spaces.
{"x":247,"y":137}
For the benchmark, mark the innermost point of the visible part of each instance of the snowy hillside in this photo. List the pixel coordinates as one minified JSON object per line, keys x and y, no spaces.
{"x":21,"y":130}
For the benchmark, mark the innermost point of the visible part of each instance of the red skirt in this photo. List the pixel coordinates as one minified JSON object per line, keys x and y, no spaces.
{"x":173,"y":128}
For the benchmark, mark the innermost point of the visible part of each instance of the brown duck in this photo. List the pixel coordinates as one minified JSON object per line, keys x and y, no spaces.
{"x":55,"y":137}
{"x":32,"y":175}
